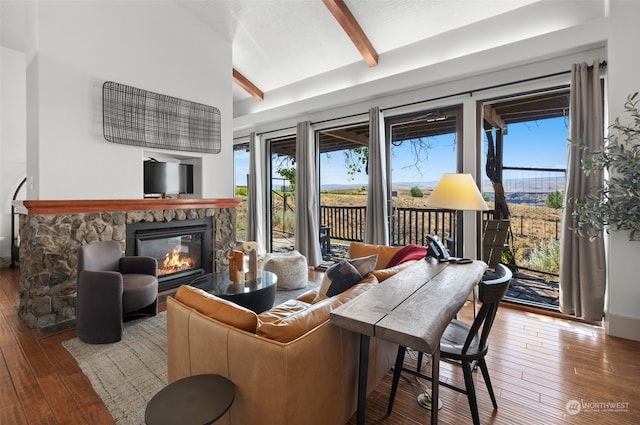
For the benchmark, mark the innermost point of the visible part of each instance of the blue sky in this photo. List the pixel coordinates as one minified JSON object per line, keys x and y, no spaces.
{"x":533,"y":144}
{"x":537,"y":144}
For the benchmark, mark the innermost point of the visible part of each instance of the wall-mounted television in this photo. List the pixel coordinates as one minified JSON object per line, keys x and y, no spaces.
{"x":167,"y":178}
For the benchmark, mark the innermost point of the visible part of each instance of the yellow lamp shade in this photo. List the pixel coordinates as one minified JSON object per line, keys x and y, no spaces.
{"x":457,"y":192}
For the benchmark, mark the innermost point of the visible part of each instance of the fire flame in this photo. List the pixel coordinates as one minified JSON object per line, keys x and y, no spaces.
{"x":175,"y":262}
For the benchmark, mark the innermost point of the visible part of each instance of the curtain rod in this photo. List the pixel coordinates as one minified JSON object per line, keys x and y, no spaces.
{"x":313,"y":123}
{"x":602,"y":66}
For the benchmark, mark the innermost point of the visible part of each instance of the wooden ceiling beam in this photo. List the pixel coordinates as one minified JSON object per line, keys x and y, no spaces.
{"x":244,"y":82}
{"x":343,"y":15}
{"x":493,"y":118}
{"x":348,"y":136}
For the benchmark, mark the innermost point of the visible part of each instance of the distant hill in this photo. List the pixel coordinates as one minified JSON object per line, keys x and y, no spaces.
{"x":533,"y":185}
{"x":339,"y":187}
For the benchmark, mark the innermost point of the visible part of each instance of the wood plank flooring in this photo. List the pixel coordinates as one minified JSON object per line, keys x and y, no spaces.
{"x":538,"y":364}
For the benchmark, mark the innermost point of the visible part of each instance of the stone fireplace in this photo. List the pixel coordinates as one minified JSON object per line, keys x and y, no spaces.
{"x":52,"y":231}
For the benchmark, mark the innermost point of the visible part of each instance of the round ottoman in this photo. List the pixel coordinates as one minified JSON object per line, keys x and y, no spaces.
{"x":290,"y":267}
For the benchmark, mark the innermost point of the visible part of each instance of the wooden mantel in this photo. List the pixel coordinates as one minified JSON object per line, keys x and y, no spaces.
{"x":34,"y":207}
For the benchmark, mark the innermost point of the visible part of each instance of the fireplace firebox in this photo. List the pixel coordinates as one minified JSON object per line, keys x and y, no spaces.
{"x":183,"y":249}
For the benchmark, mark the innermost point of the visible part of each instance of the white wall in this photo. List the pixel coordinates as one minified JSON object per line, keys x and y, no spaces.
{"x":13,"y":138}
{"x":72,"y":49}
{"x":623,"y":297}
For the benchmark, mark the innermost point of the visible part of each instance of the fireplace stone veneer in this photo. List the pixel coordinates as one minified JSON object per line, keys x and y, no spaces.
{"x":52,"y":231}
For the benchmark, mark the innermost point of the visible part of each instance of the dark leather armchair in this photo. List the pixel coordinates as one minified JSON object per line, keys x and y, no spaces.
{"x":111,"y":287}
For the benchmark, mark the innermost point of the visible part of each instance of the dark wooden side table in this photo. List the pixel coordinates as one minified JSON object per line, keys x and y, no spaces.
{"x":257,"y":294}
{"x":197,"y":400}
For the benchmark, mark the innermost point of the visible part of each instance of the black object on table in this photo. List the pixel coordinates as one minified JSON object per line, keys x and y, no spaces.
{"x":257,"y":294}
{"x":325,"y":239}
{"x":197,"y":400}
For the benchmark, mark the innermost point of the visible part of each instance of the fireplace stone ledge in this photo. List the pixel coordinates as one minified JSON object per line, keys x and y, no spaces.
{"x":49,"y":247}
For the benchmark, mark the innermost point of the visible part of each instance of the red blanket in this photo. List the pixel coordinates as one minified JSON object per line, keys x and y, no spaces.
{"x":406,"y":253}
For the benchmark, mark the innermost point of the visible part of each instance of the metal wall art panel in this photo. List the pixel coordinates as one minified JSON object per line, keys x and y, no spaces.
{"x":137,"y":117}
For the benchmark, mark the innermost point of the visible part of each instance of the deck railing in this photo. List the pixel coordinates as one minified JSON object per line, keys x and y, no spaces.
{"x":407,"y":225}
{"x":346,"y":223}
{"x":412,"y":225}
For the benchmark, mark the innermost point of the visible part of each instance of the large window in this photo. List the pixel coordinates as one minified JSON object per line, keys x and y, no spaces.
{"x":283,"y":189}
{"x":343,"y":184}
{"x":526,"y":137}
{"x":241,"y":181}
{"x":423,"y":146}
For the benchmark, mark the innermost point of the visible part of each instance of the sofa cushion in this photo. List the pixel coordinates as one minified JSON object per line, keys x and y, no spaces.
{"x":308,"y":296}
{"x":217,"y":308}
{"x":384,"y":274}
{"x":356,"y":290}
{"x":282,"y":311}
{"x":295,"y":325}
{"x":385,"y":253}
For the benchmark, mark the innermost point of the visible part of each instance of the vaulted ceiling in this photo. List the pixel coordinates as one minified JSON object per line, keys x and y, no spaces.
{"x":276,"y":43}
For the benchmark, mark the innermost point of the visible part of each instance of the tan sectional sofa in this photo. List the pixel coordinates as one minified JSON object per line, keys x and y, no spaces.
{"x":290,"y":366}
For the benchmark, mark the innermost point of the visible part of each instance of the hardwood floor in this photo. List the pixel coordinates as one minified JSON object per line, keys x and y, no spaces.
{"x":538,"y":364}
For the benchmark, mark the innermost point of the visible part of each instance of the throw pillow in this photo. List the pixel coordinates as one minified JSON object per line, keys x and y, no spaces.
{"x":365,"y":265}
{"x":338,"y":278}
{"x":342,"y":278}
{"x":385,"y":253}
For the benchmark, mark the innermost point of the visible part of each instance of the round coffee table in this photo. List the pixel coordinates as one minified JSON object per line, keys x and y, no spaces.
{"x":258,"y":294}
{"x":197,"y":400}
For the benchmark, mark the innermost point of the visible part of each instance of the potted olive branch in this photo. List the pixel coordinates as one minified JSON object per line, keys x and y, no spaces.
{"x":615,"y":205}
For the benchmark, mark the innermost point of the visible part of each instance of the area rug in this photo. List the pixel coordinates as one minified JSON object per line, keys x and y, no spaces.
{"x":128,"y":373}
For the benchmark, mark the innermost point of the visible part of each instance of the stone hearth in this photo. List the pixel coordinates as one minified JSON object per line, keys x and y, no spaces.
{"x":50,"y":237}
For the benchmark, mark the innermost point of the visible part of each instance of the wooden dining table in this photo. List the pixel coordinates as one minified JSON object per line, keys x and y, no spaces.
{"x":411,"y":309}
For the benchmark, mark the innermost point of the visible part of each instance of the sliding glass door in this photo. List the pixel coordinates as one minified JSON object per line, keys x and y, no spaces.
{"x":282,"y":202}
{"x":343,"y":186}
{"x":422,"y":147}
{"x":241,"y":187}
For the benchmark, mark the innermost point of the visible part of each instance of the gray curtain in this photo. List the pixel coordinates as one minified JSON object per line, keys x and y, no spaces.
{"x":256,"y":213}
{"x":307,"y":237}
{"x":582,"y":262}
{"x":376,"y":229}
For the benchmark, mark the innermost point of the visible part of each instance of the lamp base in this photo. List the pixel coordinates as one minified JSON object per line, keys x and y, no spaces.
{"x":424,"y":400}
